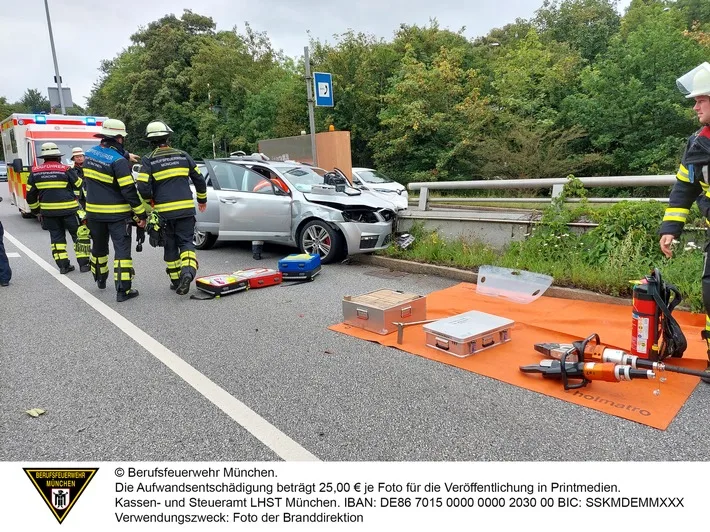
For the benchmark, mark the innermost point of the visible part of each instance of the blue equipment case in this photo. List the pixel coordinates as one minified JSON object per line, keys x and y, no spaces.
{"x":301,"y":267}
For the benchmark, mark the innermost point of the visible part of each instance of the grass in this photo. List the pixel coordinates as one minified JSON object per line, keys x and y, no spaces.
{"x":570,"y":259}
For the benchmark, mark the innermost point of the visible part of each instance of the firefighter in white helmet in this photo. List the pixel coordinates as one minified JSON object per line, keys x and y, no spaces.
{"x":693,"y":179}
{"x":112,"y":205}
{"x":164,"y":180}
{"x":50,"y":195}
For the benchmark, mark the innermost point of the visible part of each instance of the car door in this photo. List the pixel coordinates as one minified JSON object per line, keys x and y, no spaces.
{"x":249,"y":206}
{"x":208,"y":221}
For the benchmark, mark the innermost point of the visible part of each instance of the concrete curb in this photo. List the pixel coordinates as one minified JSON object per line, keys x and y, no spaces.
{"x":472,"y":277}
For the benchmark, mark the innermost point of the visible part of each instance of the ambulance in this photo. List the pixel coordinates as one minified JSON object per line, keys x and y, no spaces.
{"x":23,"y":134}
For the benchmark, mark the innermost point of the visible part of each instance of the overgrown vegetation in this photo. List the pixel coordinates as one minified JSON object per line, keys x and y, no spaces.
{"x":623,"y":247}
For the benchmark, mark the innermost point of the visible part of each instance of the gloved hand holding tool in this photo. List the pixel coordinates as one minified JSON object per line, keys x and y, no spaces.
{"x":140,"y":233}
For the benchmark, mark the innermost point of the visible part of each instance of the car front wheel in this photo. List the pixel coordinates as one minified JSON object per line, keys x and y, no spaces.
{"x":317,"y":237}
{"x":204,"y":240}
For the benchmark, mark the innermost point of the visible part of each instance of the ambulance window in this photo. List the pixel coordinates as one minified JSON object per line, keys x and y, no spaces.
{"x":13,"y":142}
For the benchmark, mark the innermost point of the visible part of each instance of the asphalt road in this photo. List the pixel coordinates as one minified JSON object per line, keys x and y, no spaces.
{"x":108,"y":396}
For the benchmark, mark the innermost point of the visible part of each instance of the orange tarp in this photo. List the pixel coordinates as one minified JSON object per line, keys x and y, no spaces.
{"x":550,"y":319}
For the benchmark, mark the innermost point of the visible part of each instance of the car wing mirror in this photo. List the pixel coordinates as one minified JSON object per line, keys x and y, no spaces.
{"x":17,"y":165}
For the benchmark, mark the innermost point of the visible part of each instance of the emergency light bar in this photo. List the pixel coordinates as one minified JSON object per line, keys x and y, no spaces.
{"x":40,"y":119}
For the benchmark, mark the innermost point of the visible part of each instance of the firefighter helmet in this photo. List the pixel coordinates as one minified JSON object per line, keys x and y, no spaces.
{"x":157,"y":129}
{"x":76,"y":151}
{"x":696,"y":82}
{"x":112,"y":128}
{"x":49,"y":149}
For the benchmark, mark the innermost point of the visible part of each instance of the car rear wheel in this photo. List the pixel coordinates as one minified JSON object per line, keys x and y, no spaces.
{"x":204,"y":240}
{"x":318,"y":237}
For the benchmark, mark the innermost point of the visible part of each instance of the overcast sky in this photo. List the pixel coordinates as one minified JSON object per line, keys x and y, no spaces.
{"x":88,"y":31}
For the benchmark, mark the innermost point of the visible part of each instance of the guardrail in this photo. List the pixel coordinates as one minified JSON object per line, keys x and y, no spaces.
{"x":555,"y":183}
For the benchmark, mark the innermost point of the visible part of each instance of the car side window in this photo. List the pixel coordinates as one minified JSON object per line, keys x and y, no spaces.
{"x":229,"y":176}
{"x":259,"y":184}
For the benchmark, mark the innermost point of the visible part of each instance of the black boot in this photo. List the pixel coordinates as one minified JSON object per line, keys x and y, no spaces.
{"x":66,"y":269}
{"x":184,"y":286}
{"x":84,"y":268}
{"x":125,"y":296}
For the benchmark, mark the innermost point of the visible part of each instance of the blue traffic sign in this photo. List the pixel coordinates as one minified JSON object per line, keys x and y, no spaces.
{"x":323,"y":89}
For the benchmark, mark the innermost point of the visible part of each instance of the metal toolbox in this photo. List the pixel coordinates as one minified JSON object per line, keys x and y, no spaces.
{"x":378,"y":311}
{"x":469,"y":333}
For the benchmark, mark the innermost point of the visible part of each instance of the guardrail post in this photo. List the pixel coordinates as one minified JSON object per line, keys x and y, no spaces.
{"x":423,"y":198}
{"x":557,"y":190}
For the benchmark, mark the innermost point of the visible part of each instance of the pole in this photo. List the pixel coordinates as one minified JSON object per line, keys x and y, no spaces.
{"x":311,"y":117}
{"x":54,"y":56}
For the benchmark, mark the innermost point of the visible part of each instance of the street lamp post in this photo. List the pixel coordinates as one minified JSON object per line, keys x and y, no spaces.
{"x":54,"y":57}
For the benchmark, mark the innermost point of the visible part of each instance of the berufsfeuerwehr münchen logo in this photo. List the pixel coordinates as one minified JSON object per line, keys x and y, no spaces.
{"x":60,"y":488}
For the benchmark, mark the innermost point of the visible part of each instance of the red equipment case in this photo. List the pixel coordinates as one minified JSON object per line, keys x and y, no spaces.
{"x":260,"y":277}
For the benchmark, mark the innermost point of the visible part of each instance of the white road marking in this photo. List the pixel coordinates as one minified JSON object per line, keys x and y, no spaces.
{"x":13,"y":255}
{"x":261,"y":429}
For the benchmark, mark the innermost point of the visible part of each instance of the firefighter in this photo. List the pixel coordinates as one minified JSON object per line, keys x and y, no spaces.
{"x":164,"y":180}
{"x":112,"y":206}
{"x":77,"y":158}
{"x":50,"y":195}
{"x":693,"y":181}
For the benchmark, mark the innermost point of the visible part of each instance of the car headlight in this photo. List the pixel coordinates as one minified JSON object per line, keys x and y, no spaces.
{"x":385,"y":190}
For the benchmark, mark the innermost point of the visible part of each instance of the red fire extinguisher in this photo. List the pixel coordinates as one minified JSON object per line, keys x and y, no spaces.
{"x":655,"y":334}
{"x":645,"y":321}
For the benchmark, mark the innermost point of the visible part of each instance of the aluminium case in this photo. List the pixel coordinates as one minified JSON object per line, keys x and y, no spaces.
{"x":378,"y":311}
{"x":469,"y":333}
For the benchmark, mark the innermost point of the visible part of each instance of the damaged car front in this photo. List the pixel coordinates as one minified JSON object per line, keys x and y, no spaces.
{"x":362,"y":221}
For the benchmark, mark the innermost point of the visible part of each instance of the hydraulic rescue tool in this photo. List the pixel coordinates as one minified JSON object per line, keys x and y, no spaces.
{"x":593,"y":351}
{"x":569,"y":366}
{"x":586,"y":372}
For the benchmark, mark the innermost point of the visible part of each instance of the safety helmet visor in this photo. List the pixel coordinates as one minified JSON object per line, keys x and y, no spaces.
{"x":696,"y":82}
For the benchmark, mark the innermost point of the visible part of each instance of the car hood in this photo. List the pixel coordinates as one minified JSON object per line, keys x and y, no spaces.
{"x":394,"y":187}
{"x":365,"y":199}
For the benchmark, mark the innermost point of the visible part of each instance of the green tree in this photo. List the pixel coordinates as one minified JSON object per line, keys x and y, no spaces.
{"x":361,"y":66}
{"x":585,"y":25}
{"x":34,"y":102}
{"x":433,"y":115}
{"x":532,"y":77}
{"x":629,"y":103}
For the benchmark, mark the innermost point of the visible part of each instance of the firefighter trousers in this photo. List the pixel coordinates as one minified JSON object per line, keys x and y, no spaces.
{"x":179,"y":250}
{"x":120,"y":234}
{"x":58,"y":227}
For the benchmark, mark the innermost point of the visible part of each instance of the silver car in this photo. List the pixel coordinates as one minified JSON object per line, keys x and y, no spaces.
{"x":293,"y":204}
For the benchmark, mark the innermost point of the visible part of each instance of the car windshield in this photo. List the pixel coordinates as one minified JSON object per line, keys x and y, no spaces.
{"x":302,"y":177}
{"x":371,"y":176}
{"x":65,"y":146}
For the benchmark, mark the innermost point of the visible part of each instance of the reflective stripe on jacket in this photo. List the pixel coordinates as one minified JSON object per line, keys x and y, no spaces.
{"x":50,"y":190}
{"x":110,"y":190}
{"x":165,"y":178}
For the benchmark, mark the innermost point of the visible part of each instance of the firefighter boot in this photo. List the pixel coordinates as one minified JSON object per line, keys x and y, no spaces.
{"x":184,"y":286}
{"x":125,"y":296}
{"x":706,"y":336}
{"x":256,"y":247}
{"x":66,"y":269}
